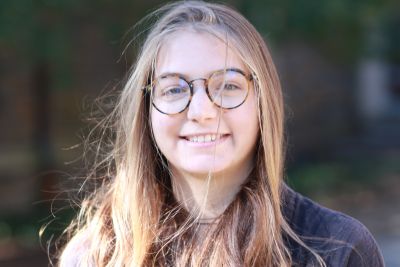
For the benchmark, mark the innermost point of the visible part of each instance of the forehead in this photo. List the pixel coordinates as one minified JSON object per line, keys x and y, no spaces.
{"x":195,"y":54}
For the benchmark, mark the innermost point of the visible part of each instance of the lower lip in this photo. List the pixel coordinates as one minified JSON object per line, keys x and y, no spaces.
{"x":207,"y":144}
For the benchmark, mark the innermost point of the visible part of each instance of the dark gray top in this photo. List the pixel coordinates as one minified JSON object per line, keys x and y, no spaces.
{"x":339,"y":239}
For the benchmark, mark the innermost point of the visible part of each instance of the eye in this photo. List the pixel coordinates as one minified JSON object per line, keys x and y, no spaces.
{"x":231,"y":87}
{"x":173,"y":91}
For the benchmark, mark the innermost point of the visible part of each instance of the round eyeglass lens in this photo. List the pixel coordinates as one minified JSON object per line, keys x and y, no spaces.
{"x":170,"y":94}
{"x":228,"y":89}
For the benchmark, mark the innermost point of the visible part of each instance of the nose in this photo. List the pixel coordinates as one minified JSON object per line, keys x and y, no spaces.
{"x":201,"y":108}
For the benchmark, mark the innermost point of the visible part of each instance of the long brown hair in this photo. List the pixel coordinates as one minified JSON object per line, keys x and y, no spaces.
{"x":133,"y":218}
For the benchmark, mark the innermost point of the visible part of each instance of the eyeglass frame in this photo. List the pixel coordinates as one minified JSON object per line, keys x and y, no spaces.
{"x":249,"y":78}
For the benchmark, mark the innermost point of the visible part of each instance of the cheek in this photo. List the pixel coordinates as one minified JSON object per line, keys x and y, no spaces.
{"x":164,"y":128}
{"x":157,"y":127}
{"x":249,"y":115}
{"x":244,"y":126}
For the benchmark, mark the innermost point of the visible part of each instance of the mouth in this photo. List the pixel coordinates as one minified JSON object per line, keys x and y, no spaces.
{"x":205,"y":138}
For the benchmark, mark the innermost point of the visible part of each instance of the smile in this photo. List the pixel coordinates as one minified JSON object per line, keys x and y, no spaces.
{"x":205,"y":138}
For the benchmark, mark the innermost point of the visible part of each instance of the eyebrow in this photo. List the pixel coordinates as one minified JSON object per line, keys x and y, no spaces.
{"x":186,"y":77}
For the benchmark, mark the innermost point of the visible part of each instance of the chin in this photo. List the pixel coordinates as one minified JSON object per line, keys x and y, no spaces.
{"x":204,"y":169}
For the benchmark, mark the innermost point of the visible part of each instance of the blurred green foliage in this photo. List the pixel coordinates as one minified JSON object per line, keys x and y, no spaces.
{"x":338,"y":28}
{"x":345,"y":176}
{"x":42,"y":30}
{"x":35,"y":227}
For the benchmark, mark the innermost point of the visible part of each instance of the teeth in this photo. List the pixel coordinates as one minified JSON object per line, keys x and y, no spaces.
{"x":204,"y":138}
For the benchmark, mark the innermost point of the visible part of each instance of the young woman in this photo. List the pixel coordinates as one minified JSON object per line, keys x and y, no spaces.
{"x":195,"y":174}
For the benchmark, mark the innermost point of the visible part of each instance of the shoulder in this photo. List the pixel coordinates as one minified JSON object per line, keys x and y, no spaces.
{"x":75,"y":250}
{"x":340,"y":239}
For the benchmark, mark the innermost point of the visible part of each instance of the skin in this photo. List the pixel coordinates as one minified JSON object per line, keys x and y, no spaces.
{"x":229,"y":160}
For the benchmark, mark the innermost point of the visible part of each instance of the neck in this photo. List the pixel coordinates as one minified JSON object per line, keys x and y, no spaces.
{"x":208,"y":195}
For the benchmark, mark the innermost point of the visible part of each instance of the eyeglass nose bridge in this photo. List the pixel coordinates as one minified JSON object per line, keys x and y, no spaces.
{"x":191,"y":86}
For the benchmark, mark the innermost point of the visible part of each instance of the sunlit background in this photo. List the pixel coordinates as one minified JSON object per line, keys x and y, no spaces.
{"x":339,"y":63}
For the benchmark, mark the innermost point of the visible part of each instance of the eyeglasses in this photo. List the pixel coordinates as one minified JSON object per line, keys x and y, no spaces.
{"x":228,"y":89}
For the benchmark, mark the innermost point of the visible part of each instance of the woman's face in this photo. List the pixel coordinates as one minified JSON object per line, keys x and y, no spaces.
{"x":196,"y":55}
